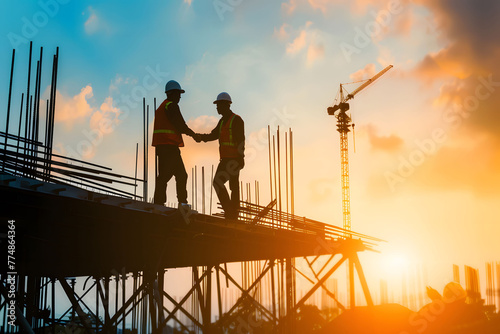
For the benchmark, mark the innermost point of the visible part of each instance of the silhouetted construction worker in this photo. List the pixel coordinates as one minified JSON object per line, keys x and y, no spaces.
{"x":230,"y":132}
{"x":169,"y":126}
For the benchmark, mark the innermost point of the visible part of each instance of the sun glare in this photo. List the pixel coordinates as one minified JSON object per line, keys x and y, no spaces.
{"x":395,"y":265}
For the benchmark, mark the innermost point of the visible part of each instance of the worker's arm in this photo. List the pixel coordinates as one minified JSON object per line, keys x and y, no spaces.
{"x":175,"y":116}
{"x":213,"y":135}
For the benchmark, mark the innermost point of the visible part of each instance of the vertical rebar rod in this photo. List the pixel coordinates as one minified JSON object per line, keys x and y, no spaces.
{"x":146,"y":147}
{"x":274,"y":170}
{"x":53,"y":304}
{"x":156,"y":158}
{"x":28,"y":96}
{"x":39,"y":96}
{"x":45,"y":140}
{"x":8,"y":102}
{"x":144,"y":190}
{"x":97,"y":289}
{"x":134,"y":306}
{"x":286,"y":170}
{"x":135,"y":174}
{"x":273,"y":295}
{"x":27,"y":143}
{"x":241,"y":190}
{"x":52,"y":110}
{"x":35,"y":111}
{"x":292,"y":197}
{"x":255,"y":192}
{"x":211,"y":189}
{"x":124,"y":318}
{"x":203,"y":189}
{"x":116,"y":294}
{"x":270,"y":161}
{"x":46,"y":297}
{"x":54,"y":94}
{"x":160,"y":288}
{"x":279,"y":169}
{"x":195,"y":187}
{"x":219,"y":297}
{"x":19,"y":129}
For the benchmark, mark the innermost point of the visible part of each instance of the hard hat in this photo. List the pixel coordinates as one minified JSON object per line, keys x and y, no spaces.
{"x":223,"y":97}
{"x":173,"y":85}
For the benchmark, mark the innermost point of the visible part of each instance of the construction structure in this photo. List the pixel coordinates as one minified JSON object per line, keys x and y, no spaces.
{"x":344,"y":125}
{"x":66,"y":221}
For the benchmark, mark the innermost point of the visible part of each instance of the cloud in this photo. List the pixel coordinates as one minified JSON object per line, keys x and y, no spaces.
{"x":468,"y":71}
{"x":92,"y":23}
{"x":203,"y":124}
{"x":363,"y":74}
{"x":289,"y":8}
{"x":314,"y":52}
{"x":106,"y":117}
{"x":307,"y":39}
{"x":469,"y":61}
{"x":282,"y":34}
{"x":120,"y":81}
{"x":453,"y":61}
{"x":358,"y":7}
{"x":391,"y":143}
{"x":73,"y":109}
{"x":322,"y":5}
{"x":297,"y":44}
{"x":82,"y":119}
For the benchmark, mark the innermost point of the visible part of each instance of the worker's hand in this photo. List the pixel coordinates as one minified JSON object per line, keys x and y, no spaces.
{"x":197,"y":137}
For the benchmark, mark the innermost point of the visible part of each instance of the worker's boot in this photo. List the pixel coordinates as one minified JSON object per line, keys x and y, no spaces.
{"x":186,"y":211}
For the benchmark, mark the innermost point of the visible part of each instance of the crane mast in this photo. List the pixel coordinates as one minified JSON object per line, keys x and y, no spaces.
{"x":344,"y":124}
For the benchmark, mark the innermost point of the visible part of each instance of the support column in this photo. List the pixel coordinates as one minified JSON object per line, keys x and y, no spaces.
{"x":352,"y":296}
{"x":290,"y":297}
{"x":362,"y":279}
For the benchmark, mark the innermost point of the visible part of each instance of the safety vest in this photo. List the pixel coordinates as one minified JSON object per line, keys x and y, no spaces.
{"x":227,"y":145}
{"x":164,"y":133}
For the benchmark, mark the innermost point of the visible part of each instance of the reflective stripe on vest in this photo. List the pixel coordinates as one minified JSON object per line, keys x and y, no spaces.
{"x":164,"y":132}
{"x":227,"y":146}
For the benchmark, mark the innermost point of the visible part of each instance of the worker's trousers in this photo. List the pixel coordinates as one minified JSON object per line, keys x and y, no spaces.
{"x":228,"y":170}
{"x":170,"y":164}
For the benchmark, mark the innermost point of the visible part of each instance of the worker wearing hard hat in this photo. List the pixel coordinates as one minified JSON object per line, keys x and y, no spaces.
{"x":169,"y":125}
{"x":230,"y":132}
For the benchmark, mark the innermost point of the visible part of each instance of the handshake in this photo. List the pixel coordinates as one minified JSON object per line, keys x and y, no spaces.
{"x":198,"y":137}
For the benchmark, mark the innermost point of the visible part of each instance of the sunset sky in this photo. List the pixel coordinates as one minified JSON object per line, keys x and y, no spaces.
{"x":426,"y":171}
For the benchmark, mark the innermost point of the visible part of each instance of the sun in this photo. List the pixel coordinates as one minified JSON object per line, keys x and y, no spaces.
{"x":395,"y":265}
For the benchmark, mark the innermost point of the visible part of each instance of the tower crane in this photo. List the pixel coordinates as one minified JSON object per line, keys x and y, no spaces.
{"x":344,"y":123}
